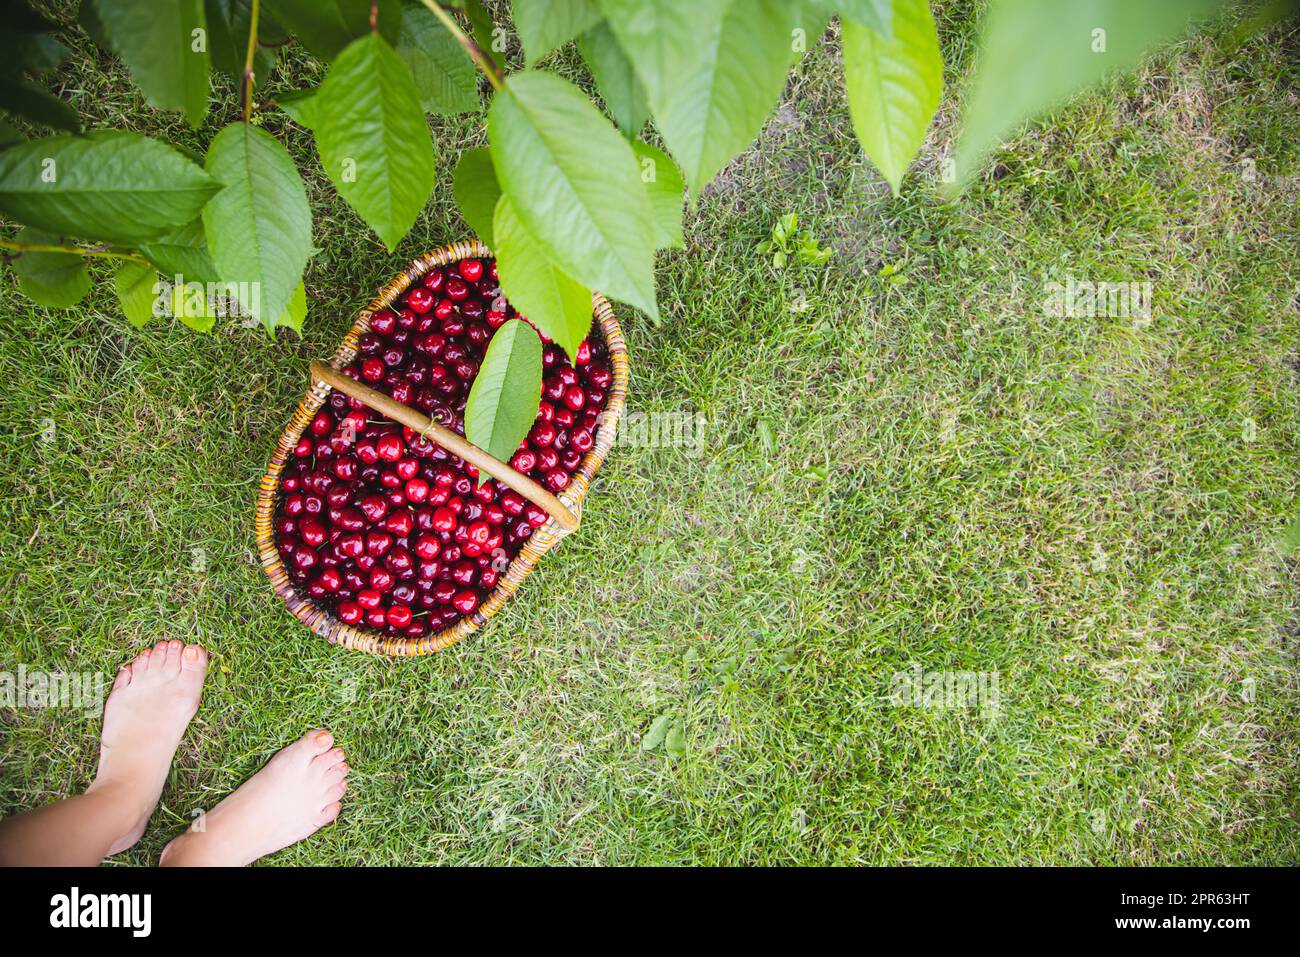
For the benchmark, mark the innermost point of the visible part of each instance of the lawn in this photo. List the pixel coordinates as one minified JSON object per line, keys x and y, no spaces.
{"x":907,"y":463}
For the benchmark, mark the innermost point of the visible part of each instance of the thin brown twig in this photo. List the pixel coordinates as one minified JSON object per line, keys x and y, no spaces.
{"x":92,"y":253}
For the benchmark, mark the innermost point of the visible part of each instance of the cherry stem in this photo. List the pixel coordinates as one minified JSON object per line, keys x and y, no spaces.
{"x":247,"y":85}
{"x":93,"y":253}
{"x":481,"y":59}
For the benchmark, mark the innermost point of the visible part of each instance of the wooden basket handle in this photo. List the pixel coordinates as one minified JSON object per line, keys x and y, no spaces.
{"x":449,"y":440}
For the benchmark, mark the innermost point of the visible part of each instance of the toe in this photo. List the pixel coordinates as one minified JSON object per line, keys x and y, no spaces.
{"x":339,"y":789}
{"x":140,"y":662}
{"x":172,"y":664}
{"x":194,"y":660}
{"x":158,"y":657}
{"x":123,"y":677}
{"x":332,"y":757}
{"x":328,"y":813}
{"x":336,"y":774}
{"x":317,"y":741}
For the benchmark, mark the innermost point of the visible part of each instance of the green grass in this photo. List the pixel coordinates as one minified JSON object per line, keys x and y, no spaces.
{"x":1091,"y":508}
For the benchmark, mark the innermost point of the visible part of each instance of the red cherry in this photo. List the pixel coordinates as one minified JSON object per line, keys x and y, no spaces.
{"x":377,"y":543}
{"x":373,"y":507}
{"x":470,"y":269}
{"x":444,"y":519}
{"x":372,"y":369}
{"x":312,"y":532}
{"x":465,"y":601}
{"x":427,"y":547}
{"x":420,"y":299}
{"x":399,"y":616}
{"x":574,"y":397}
{"x":542,"y":433}
{"x":369,"y":599}
{"x":383,"y":323}
{"x":400,"y":522}
{"x":322,"y":423}
{"x":457,"y":288}
{"x":350,"y":545}
{"x":556,"y":480}
{"x":417,"y":490}
{"x":350,"y":612}
{"x":407,"y":468}
{"x":381,"y":579}
{"x":390,"y":447}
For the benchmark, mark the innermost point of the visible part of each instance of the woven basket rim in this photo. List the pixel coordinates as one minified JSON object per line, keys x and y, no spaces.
{"x":323,"y":622}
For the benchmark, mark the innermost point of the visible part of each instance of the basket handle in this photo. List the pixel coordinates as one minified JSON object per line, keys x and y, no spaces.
{"x":449,"y":440}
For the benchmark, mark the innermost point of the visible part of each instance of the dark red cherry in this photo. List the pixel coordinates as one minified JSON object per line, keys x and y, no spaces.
{"x":471,"y":270}
{"x":420,"y":299}
{"x":350,"y":612}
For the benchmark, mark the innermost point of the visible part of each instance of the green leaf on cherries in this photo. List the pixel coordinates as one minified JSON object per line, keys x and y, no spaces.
{"x":663,"y":184}
{"x":57,"y":280}
{"x":616,"y":80}
{"x":575,"y":184}
{"x":712,"y":72}
{"x":184,"y":252}
{"x":165,"y":47}
{"x":545,"y":25}
{"x":507,"y":391}
{"x":108,"y":185}
{"x":25,"y":99}
{"x":134,"y":284}
{"x":474,"y":184}
{"x":228,"y":25}
{"x":326,"y":27}
{"x":893,"y":85}
{"x":445,"y":76}
{"x":373,"y":137}
{"x":553,"y":301}
{"x":259,"y":225}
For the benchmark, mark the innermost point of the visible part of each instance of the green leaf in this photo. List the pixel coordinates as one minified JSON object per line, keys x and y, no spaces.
{"x":445,"y":76}
{"x":259,"y":225}
{"x":326,"y":27}
{"x":108,"y":185}
{"x":9,"y":136}
{"x":712,"y":72}
{"x":1035,"y":55}
{"x":183,"y":252}
{"x":57,"y":280}
{"x":474,"y":184}
{"x":544,"y":25}
{"x":507,"y":391}
{"x":575,"y":184}
{"x":675,"y":741}
{"x":25,"y":99}
{"x":615,"y":79}
{"x":29,"y":52}
{"x":658,"y":730}
{"x":296,"y":311}
{"x":299,"y":105}
{"x":228,"y":24}
{"x":869,"y":13}
{"x":373,"y":137}
{"x":88,"y":17}
{"x":190,"y":304}
{"x":554,"y":302}
{"x":165,"y":47}
{"x":893,"y":86}
{"x":663,"y":184}
{"x":134,"y":283}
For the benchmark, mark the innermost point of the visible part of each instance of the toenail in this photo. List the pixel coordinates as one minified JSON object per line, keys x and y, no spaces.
{"x":324,"y":739}
{"x":192,"y":652}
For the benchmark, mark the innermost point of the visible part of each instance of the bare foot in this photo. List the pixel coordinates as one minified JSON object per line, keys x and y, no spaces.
{"x":153,"y":699}
{"x":293,"y":797}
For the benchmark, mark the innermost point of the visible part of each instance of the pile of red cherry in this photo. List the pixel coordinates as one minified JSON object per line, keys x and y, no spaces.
{"x":388,"y":530}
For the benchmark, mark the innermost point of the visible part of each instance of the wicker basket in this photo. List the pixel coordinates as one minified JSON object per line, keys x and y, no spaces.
{"x":321,"y":621}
